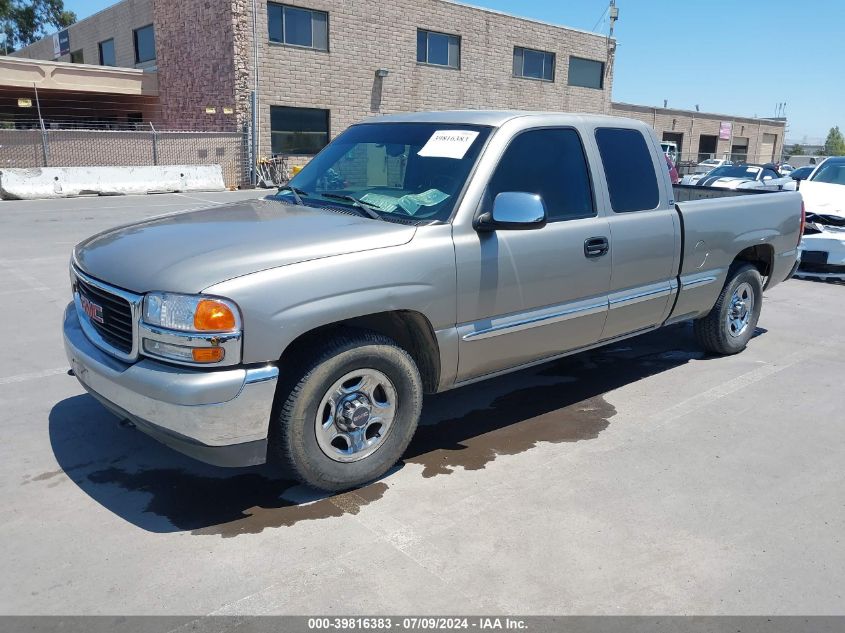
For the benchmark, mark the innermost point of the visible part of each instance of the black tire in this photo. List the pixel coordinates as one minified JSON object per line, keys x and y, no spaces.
{"x":713,"y":332}
{"x":293,"y":440}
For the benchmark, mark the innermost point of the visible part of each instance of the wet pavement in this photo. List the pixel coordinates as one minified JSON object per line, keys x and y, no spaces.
{"x":644,"y":477}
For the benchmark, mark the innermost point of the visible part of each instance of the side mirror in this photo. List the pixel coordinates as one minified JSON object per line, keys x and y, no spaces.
{"x":514,"y":210}
{"x":767,"y":177}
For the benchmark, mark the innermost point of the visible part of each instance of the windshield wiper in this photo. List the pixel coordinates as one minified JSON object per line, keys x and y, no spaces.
{"x":365,"y":207}
{"x":297,"y":193}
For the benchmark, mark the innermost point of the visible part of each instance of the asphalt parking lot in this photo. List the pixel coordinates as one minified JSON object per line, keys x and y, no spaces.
{"x":641,"y":479}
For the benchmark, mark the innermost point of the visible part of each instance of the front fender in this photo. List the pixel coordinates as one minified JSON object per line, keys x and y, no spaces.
{"x":281,"y":304}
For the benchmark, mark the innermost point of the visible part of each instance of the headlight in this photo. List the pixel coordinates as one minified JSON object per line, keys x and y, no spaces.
{"x":191,"y":329}
{"x":190,"y":313}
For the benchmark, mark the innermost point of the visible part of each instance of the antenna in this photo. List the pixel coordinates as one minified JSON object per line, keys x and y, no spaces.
{"x":614,"y":15}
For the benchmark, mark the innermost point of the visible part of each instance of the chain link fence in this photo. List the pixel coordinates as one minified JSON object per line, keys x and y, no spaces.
{"x":112,"y":148}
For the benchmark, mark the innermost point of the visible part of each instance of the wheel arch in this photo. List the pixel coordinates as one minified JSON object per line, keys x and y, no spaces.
{"x":761,"y":256}
{"x":411,"y":330}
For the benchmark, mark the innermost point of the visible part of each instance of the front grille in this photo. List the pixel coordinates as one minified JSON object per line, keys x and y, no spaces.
{"x":116,"y":328}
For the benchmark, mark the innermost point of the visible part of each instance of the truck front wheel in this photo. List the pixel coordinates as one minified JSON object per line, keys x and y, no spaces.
{"x":729,"y":326}
{"x":350,"y":413}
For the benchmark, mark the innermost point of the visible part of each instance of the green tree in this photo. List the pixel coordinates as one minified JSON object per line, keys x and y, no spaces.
{"x":23,"y":22}
{"x":834,"y":144}
{"x":796,"y":150}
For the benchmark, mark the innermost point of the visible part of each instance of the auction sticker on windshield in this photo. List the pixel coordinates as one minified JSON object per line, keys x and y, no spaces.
{"x":448,"y":144}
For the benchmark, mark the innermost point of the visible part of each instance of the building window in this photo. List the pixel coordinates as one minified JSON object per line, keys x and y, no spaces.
{"x":438,"y":49}
{"x":628,"y":169}
{"x":145,"y":44}
{"x":76,"y":57}
{"x":533,"y":64}
{"x":298,"y":27}
{"x":107,"y":53}
{"x":298,"y":131}
{"x":586,"y":73}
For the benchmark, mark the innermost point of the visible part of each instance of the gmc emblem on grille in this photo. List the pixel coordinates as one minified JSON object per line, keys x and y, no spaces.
{"x":94,"y":312}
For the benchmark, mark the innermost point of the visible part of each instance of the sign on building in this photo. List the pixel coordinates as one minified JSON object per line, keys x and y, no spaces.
{"x":61,"y":43}
{"x":725,"y":130}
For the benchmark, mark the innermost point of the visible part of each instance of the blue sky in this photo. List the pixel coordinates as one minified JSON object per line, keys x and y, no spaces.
{"x":739,"y":57}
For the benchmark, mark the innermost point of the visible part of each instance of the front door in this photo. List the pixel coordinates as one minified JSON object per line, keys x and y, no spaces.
{"x":525,"y":295}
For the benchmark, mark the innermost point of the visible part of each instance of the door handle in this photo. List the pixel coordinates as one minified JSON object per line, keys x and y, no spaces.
{"x":596,"y":246}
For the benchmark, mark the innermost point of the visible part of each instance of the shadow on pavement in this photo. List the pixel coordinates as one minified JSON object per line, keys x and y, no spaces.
{"x":160,"y":490}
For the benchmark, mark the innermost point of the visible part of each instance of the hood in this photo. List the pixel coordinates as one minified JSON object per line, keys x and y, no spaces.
{"x":823,"y":198}
{"x":188,"y":252}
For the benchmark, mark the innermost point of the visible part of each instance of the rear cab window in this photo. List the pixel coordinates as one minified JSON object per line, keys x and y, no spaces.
{"x":628,"y":169}
{"x":550,"y":162}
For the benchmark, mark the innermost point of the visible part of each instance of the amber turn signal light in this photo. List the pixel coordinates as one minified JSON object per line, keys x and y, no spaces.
{"x":214,"y":316}
{"x":207,"y":354}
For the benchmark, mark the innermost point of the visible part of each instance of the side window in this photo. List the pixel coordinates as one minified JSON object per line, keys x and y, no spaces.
{"x":629,"y":170}
{"x":549,"y":162}
{"x":768,"y":173}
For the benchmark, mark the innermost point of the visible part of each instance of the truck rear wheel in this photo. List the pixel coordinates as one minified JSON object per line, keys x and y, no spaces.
{"x":729,"y":326}
{"x":350,"y":413}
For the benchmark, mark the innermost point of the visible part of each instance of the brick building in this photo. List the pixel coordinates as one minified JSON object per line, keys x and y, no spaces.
{"x":324,"y":64}
{"x":701,"y":135}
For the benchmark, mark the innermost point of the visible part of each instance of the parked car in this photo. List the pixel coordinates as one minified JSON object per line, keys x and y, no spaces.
{"x":670,"y":148}
{"x":710,"y":164}
{"x":740,"y":176}
{"x":801,"y":173}
{"x":305,"y":328}
{"x":823,"y":245}
{"x":785,"y":169}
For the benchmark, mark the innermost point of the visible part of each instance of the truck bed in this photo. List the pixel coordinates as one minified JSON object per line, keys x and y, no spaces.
{"x":717,"y":226}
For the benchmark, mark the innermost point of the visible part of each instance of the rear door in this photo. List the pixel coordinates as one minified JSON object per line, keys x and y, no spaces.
{"x":643,"y":231}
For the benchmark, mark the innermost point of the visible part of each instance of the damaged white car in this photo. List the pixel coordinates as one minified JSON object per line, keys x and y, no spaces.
{"x":823,"y":244}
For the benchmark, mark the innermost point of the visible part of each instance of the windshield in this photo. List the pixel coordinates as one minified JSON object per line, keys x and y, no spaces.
{"x":408,"y":171}
{"x":830,"y":171}
{"x":736,"y":171}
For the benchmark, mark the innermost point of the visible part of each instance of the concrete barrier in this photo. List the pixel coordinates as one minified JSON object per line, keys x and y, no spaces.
{"x":65,"y":182}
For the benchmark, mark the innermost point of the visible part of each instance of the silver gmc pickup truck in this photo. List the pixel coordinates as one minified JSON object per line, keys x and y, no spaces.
{"x":414,"y":254}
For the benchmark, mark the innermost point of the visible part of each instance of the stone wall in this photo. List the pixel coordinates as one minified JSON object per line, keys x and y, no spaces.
{"x":195,"y":47}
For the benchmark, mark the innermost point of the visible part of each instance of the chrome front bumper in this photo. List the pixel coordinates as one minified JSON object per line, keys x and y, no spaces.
{"x":220,"y":416}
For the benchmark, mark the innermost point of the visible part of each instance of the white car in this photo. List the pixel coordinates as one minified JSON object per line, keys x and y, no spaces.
{"x":823,"y":244}
{"x":741,"y":176}
{"x":710,"y":164}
